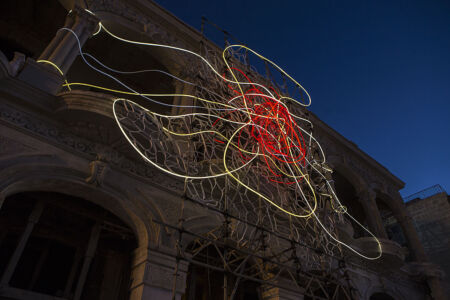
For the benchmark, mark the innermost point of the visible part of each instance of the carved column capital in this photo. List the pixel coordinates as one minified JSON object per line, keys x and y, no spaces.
{"x":64,"y":47}
{"x":81,"y":12}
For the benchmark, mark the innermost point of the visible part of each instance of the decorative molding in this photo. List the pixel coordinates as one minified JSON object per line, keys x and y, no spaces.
{"x":95,"y":102}
{"x":91,"y":149}
{"x":98,"y":169}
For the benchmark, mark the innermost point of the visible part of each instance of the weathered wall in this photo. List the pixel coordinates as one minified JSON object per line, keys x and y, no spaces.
{"x":432,"y":220}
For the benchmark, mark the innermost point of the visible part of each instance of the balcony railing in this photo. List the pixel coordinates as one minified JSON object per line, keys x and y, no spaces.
{"x":428,"y":192}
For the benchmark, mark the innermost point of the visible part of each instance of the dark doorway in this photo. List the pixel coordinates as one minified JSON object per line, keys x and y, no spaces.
{"x":57,"y":249}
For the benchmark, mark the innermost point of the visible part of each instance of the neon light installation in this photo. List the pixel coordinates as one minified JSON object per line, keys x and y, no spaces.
{"x":237,"y":142}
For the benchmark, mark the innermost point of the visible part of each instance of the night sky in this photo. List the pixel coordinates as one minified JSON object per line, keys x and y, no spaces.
{"x":378,"y":71}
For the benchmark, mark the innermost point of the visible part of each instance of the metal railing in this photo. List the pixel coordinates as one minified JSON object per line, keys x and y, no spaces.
{"x":425,"y":193}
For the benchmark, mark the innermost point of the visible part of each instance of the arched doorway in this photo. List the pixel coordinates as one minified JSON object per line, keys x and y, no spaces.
{"x":347,"y":195}
{"x":56,"y":245}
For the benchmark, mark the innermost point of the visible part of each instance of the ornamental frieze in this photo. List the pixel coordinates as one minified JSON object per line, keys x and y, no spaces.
{"x":94,"y":150}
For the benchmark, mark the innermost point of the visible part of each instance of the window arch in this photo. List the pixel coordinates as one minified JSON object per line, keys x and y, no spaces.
{"x":347,"y":195}
{"x":85,"y":249}
{"x":125,"y":57}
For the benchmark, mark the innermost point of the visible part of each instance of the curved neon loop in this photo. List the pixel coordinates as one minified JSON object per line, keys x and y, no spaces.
{"x":260,"y":113}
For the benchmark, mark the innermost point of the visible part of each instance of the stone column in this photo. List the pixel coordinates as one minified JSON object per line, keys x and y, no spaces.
{"x":153,"y":273}
{"x":32,"y":220}
{"x":184,"y":89}
{"x":415,"y":245}
{"x":73,"y":271}
{"x":368,"y":202}
{"x":407,"y":225}
{"x":63,"y":49}
{"x":61,"y":52}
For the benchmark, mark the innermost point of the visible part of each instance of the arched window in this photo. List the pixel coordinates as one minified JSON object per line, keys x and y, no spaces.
{"x":57,"y":245}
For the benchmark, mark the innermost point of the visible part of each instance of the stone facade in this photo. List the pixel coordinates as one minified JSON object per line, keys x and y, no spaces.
{"x":66,"y":143}
{"x":431,"y":215}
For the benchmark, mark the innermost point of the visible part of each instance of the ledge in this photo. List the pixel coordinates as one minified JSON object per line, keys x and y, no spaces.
{"x":99,"y":103}
{"x":41,"y":76}
{"x":393,"y":256}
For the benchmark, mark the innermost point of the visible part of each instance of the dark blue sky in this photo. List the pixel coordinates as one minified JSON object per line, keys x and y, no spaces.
{"x":378,"y":71}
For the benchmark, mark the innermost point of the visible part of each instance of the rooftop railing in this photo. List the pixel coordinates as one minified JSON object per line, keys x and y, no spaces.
{"x":425,"y":193}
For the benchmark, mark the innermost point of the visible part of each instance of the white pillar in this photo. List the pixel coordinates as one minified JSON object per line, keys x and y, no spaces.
{"x":63,"y":49}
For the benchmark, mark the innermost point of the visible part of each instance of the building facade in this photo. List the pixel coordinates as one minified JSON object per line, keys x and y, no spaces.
{"x":430,"y":211}
{"x":83,"y":217}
